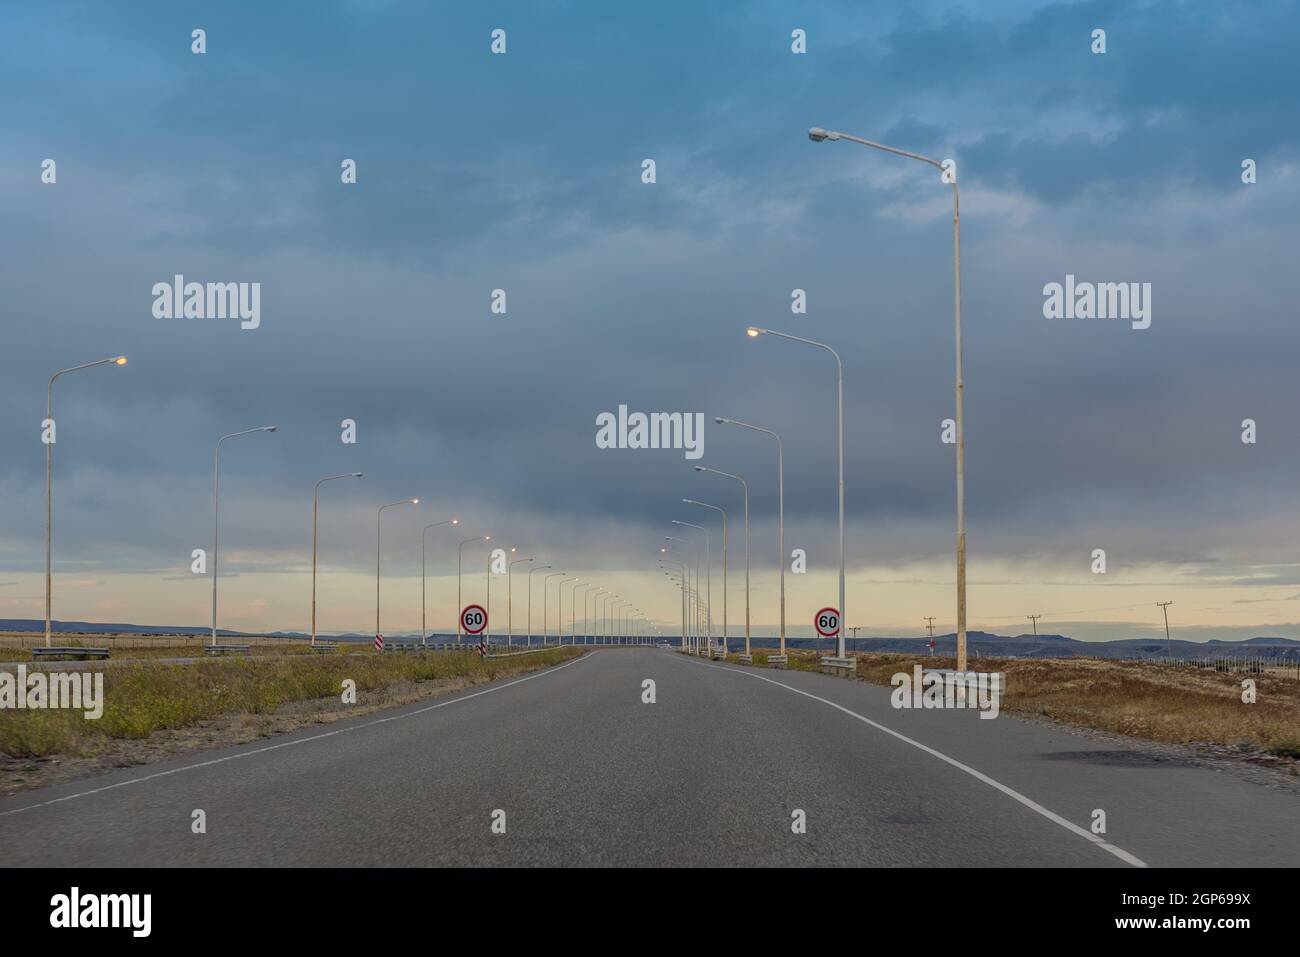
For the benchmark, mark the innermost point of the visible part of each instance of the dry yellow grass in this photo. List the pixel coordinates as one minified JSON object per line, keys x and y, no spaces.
{"x":141,"y":698}
{"x":1138,"y":698}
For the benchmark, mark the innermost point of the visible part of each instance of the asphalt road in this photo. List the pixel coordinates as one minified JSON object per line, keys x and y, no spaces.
{"x":710,"y":774}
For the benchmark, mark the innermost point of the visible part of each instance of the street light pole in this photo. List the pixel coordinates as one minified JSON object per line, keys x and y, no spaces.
{"x":753,"y":332}
{"x":530,"y":601}
{"x":778,"y":659}
{"x":559,"y":607}
{"x":510,"y":600}
{"x":590,"y":624}
{"x":747,"y":657}
{"x":315,"y":496}
{"x":718,"y":508}
{"x":708,"y":583}
{"x":216,"y":525}
{"x":424,"y":628}
{"x":460,"y":567}
{"x":378,"y":525}
{"x":693,"y":593}
{"x":818,"y":135}
{"x":1169,"y":645}
{"x":546,"y":600}
{"x":49,"y":425}
{"x":586,"y":588}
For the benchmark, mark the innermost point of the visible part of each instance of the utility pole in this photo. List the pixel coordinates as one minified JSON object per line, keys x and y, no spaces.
{"x":930,"y":622}
{"x":855,"y":629}
{"x":1169,"y":646}
{"x":1034,"y":619}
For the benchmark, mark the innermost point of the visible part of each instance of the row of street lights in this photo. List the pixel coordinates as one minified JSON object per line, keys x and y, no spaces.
{"x":948,"y":175}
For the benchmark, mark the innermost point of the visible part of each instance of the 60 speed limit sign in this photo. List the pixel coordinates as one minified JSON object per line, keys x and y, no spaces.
{"x":473,"y":619}
{"x":827,"y":622}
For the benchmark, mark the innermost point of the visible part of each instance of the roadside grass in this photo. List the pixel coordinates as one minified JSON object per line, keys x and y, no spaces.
{"x":141,"y":698}
{"x":1138,"y":698}
{"x":18,"y":647}
{"x":1142,"y":699}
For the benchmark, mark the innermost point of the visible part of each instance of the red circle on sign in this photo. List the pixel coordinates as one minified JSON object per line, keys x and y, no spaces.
{"x":473,"y":619}
{"x":817,"y":623}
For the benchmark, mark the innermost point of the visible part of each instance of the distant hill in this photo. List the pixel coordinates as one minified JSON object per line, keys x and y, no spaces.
{"x":979,"y":642}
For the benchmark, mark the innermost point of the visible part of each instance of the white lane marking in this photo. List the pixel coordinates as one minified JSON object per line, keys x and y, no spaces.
{"x":978,"y":775}
{"x":289,"y":744}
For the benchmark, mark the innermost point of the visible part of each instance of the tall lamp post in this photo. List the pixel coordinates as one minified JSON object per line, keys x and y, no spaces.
{"x":840,"y":659}
{"x":424,"y":627}
{"x":460,"y":567}
{"x":723,"y":512}
{"x":747,"y":658}
{"x":591,"y":621}
{"x":216,"y":525}
{"x":545,"y":598}
{"x":708,"y":582}
{"x":680,"y":581}
{"x":487,"y":627}
{"x":692,"y":592}
{"x":777,"y":659}
{"x":510,"y":602}
{"x":530,"y":601}
{"x":48,"y":424}
{"x":585,"y":588}
{"x":315,"y":496}
{"x":559,"y":606}
{"x":818,"y":135}
{"x":378,"y":526}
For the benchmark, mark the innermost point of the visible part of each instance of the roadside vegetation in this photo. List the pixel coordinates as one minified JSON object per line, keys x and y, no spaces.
{"x":143,"y":698}
{"x":1166,"y":703}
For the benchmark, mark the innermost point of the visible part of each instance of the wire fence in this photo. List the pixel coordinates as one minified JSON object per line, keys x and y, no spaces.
{"x":1286,"y":666}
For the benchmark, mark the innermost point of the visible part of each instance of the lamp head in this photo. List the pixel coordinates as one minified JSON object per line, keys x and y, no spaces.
{"x":754,"y":332}
{"x":358,"y":474}
{"x":818,"y":135}
{"x":415,"y":501}
{"x":720,"y":420}
{"x":455,"y":521}
{"x":269,"y":428}
{"x":119,"y":360}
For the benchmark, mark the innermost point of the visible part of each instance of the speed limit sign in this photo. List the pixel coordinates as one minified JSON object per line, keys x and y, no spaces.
{"x":473,"y":619}
{"x":827,"y":622}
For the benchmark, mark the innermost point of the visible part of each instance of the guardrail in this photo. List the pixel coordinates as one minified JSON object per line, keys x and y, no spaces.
{"x":70,"y":652}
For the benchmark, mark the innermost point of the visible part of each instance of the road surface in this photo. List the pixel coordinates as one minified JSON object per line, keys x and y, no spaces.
{"x":710,"y":774}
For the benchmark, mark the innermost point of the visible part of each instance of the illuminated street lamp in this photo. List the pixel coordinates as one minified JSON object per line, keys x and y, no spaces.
{"x":754,"y":332}
{"x":949,"y":176}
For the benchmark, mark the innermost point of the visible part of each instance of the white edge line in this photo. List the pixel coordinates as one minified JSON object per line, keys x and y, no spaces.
{"x":289,"y":744}
{"x":979,"y":775}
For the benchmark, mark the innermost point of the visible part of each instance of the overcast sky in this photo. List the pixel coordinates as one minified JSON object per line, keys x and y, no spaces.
{"x":523,"y":172}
